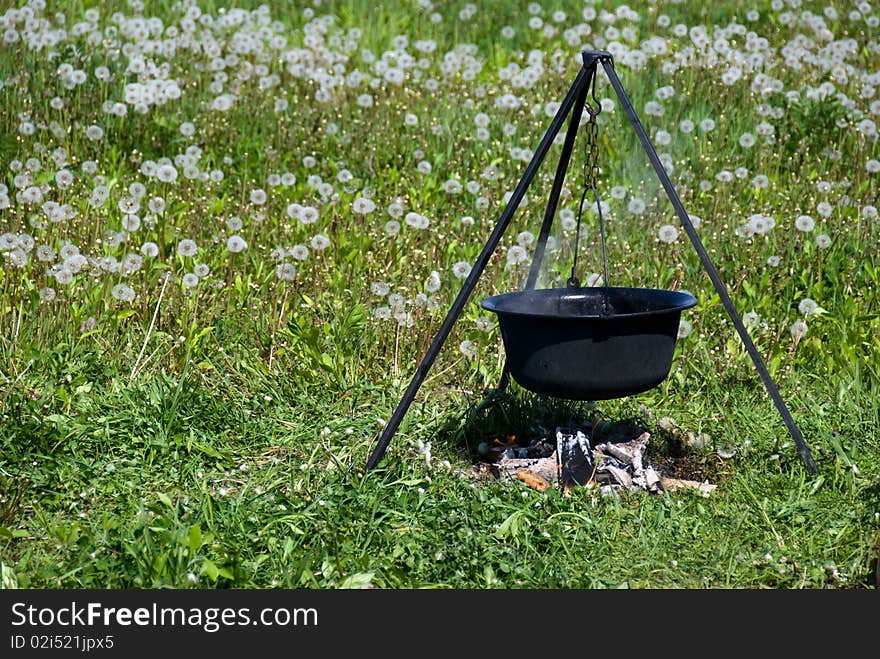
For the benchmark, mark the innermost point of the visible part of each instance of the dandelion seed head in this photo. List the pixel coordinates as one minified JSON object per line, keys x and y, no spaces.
{"x":432,"y":285}
{"x":319,"y":242}
{"x":363,"y":206}
{"x":236,"y":244}
{"x":285,"y":271}
{"x":123,"y":293}
{"x":808,"y":306}
{"x":187,"y":247}
{"x":516,"y":255}
{"x":308,"y":215}
{"x":298,"y":252}
{"x":461,"y":269}
{"x":667,"y":234}
{"x":468,"y":348}
{"x":804,"y":223}
{"x":166,"y":173}
{"x":684,"y":329}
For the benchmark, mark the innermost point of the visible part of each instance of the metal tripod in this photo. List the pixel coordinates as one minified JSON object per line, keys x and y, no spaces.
{"x":574,"y":103}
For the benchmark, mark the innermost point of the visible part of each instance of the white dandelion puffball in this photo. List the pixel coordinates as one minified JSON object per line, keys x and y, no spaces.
{"x":461,"y":269}
{"x":798,"y":329}
{"x":485,"y":323}
{"x":516,"y":254}
{"x":804,"y":223}
{"x":285,"y":272}
{"x":362,"y":206}
{"x":747,"y":140}
{"x":190,"y":280}
{"x":824,"y":209}
{"x":298,"y":252}
{"x":320,"y":242}
{"x":236,"y":244}
{"x":525,"y":238}
{"x":594,"y":279}
{"x":433,"y":283}
{"x":823,"y":241}
{"x":808,"y":307}
{"x":308,"y":215}
{"x":468,"y":348}
{"x":751,"y":319}
{"x":416,"y":220}
{"x":452,"y":186}
{"x":122,"y":292}
{"x":150,"y":249}
{"x":684,"y":329}
{"x":94,"y":133}
{"x":667,"y":233}
{"x":156,"y":205}
{"x":166,"y":173}
{"x":187,"y":247}
{"x":636,"y":206}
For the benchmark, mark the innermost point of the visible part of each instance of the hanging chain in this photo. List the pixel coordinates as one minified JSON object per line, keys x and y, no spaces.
{"x":591,"y":178}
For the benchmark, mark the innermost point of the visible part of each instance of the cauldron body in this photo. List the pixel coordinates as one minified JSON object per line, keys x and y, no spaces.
{"x":591,"y":343}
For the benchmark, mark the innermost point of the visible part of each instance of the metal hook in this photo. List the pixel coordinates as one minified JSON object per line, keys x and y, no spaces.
{"x":593,"y":93}
{"x":594,"y":112}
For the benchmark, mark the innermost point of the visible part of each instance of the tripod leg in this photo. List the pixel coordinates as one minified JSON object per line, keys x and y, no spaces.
{"x":770,"y":385}
{"x":580,"y":83}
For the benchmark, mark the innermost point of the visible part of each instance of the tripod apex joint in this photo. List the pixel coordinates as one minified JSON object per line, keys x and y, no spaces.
{"x":590,"y":57}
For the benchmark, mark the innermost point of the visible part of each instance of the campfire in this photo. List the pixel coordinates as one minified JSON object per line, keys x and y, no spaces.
{"x":571,"y":458}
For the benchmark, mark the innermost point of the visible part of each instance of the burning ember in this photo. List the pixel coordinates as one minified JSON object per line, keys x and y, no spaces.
{"x":570,"y":459}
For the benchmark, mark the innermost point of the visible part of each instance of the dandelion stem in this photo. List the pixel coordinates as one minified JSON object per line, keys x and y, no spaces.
{"x":275,"y":328}
{"x":150,"y":329}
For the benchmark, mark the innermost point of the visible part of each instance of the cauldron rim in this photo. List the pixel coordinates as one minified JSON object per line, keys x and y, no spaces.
{"x":673,"y":301}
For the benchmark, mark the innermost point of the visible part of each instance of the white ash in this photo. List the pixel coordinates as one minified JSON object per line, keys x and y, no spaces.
{"x":624,"y":463}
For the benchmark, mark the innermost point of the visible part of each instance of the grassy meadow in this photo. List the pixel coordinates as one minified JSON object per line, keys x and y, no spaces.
{"x":229,"y":233}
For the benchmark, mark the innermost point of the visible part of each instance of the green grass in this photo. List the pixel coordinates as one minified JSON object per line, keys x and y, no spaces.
{"x":216,"y":437}
{"x":254,"y":485}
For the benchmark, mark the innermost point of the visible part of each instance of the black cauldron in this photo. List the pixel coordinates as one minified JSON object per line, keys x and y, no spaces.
{"x":589,"y":343}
